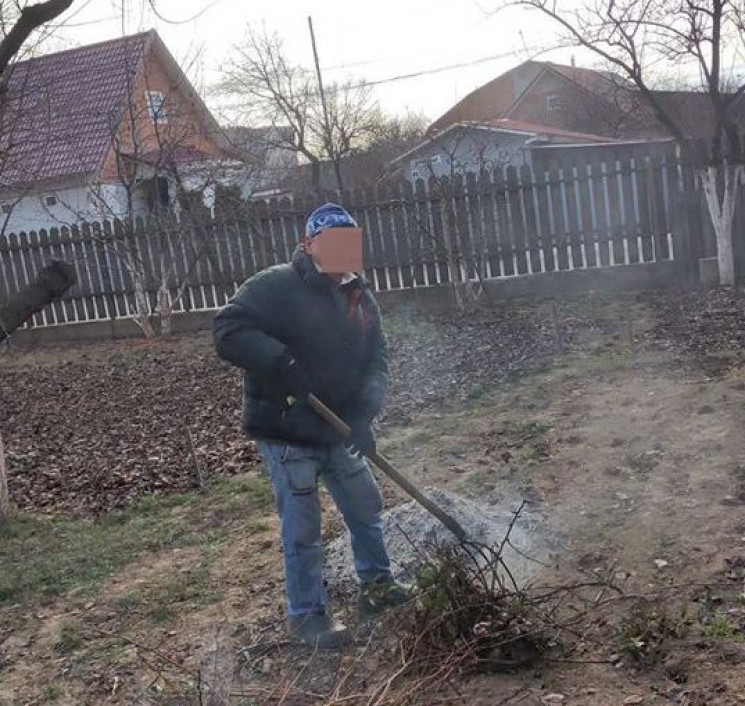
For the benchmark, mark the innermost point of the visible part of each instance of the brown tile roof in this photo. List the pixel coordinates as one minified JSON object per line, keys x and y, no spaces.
{"x":492,"y":100}
{"x":593,"y":80}
{"x":499,"y":97}
{"x":59,"y":109}
{"x":521,"y":126}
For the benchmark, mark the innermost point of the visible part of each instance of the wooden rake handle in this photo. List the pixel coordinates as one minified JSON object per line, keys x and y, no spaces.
{"x":390,"y":470}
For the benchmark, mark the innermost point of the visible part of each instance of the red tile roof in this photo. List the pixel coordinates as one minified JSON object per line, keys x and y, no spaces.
{"x":60,"y":108}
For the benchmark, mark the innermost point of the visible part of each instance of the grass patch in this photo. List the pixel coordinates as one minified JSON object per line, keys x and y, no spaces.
{"x":71,"y":638}
{"x":722,"y":628}
{"x":52,"y":692}
{"x":647,"y":633}
{"x":194,"y":587}
{"x":49,"y":556}
{"x":128,"y":603}
{"x":531,"y":429}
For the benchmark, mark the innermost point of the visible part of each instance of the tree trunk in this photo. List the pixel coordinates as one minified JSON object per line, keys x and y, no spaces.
{"x":31,"y":17}
{"x":165,"y":309}
{"x":466,"y":294}
{"x":315,"y":173}
{"x":50,"y":284}
{"x":5,"y":507}
{"x":722,"y":213}
{"x":337,"y":174}
{"x":142,"y":305}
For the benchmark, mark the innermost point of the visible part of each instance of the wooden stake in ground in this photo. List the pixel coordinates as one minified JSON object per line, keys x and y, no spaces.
{"x":5,"y":507}
{"x":195,"y":472}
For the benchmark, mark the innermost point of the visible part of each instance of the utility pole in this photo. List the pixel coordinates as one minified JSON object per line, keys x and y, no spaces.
{"x":326,"y":120}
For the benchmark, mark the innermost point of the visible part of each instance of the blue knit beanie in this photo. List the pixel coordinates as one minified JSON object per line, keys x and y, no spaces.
{"x":330,"y":215}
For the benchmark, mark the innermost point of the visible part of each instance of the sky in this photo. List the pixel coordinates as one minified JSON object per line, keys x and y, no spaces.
{"x":373,"y":41}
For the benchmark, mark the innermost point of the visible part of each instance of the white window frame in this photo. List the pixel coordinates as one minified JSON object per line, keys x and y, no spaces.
{"x":554,"y":103}
{"x":155,"y":102}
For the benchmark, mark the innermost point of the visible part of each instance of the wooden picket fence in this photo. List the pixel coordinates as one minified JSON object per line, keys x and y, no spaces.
{"x":511,"y":223}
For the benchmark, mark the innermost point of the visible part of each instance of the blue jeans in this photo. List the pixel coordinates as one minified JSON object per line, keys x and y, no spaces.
{"x":294,"y":472}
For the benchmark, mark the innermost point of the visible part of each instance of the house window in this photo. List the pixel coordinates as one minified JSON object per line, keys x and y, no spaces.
{"x":7,"y":208}
{"x":554,"y":104}
{"x":156,"y":106}
{"x":50,"y":200}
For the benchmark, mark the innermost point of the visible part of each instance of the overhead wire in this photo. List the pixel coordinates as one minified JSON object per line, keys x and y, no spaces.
{"x":534,"y":51}
{"x":186,"y":20}
{"x":450,"y":67}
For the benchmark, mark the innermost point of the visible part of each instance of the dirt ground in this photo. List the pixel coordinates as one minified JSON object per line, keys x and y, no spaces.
{"x":628,"y":448}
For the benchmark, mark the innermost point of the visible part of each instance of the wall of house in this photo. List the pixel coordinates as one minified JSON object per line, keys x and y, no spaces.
{"x":73,"y":203}
{"x":34,"y":211}
{"x":555,"y":101}
{"x":184,"y":124}
{"x":471,"y":151}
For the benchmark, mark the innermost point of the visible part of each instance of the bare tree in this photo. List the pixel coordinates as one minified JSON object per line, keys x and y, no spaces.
{"x":161,"y":196}
{"x":271,"y":91}
{"x":18,"y":22}
{"x":638,"y":38}
{"x":446,"y":170}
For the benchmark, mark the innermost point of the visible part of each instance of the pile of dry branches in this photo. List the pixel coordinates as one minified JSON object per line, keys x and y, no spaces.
{"x":470,"y":611}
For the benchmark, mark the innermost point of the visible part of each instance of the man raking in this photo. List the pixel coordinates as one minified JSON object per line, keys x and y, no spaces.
{"x":313,"y":326}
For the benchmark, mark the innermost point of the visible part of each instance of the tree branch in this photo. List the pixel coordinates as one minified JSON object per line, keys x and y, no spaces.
{"x":31,"y":18}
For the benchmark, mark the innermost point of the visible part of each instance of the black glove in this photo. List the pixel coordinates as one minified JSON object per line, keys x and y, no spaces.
{"x":293,"y":381}
{"x":361,"y":442}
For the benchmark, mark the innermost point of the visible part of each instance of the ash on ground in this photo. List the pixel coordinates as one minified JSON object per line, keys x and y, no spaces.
{"x":413,"y":536}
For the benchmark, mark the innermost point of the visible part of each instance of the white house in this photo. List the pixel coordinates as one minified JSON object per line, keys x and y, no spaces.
{"x":475,"y":146}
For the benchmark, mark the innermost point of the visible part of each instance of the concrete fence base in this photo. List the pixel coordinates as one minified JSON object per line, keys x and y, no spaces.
{"x":438,"y":297}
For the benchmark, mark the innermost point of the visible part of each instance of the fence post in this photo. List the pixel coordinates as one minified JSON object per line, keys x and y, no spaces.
{"x":686,"y":223}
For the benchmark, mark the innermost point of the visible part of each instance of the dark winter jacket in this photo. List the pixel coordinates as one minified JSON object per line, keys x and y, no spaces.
{"x":333,"y":332}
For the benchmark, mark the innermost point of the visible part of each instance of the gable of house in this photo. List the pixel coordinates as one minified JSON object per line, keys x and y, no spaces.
{"x":544,"y":93}
{"x":163,"y":121}
{"x":579,"y":100}
{"x":492,"y":100}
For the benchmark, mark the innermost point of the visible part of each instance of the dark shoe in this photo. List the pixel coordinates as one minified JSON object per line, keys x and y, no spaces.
{"x":319,"y":630}
{"x":381,"y":594}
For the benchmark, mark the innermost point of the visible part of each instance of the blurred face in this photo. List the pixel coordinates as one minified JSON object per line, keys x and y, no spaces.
{"x":336,"y":251}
